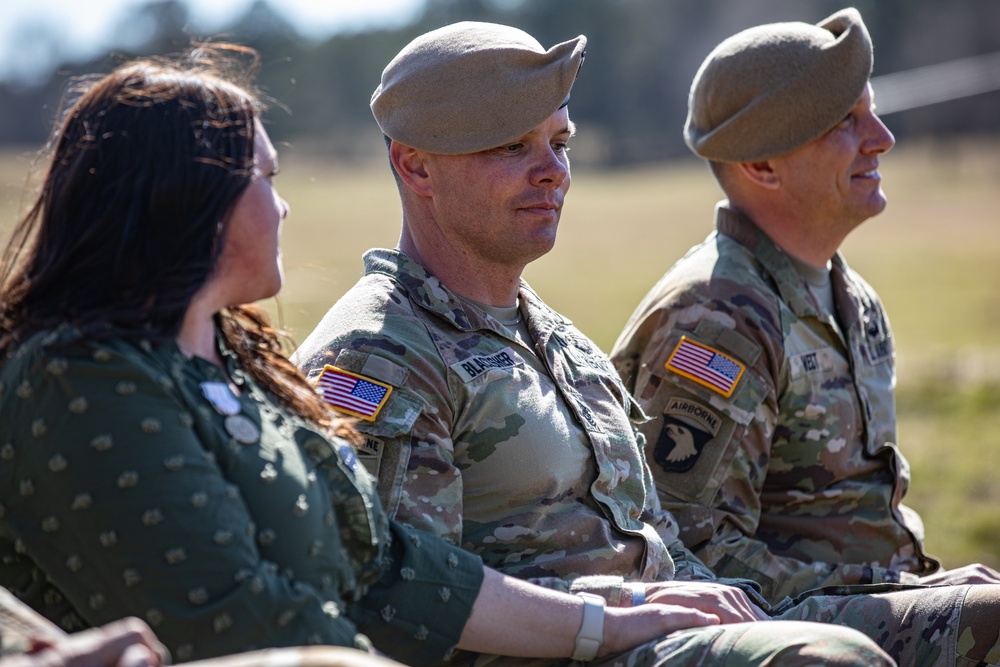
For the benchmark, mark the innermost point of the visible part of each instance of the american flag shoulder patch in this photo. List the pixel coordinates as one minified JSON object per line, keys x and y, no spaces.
{"x":706,"y":366}
{"x":354,"y":394}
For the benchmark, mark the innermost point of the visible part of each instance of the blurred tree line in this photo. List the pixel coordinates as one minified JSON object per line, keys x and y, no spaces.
{"x":631,"y":96}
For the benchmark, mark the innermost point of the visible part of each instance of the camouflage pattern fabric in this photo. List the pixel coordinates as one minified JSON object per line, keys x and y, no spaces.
{"x":456,"y":447}
{"x":457,"y":452}
{"x":794,"y":478}
{"x":916,"y":625}
{"x":754,"y":645}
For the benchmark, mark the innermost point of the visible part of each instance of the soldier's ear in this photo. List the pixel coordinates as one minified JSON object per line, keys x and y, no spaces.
{"x":761,"y":173}
{"x":411,"y":165}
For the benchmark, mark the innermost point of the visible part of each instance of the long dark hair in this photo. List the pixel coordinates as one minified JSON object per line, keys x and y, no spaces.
{"x":131,"y":216}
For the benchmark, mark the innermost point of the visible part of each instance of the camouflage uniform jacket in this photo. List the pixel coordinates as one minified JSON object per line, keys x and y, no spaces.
{"x":524,"y":456}
{"x":773,"y":438}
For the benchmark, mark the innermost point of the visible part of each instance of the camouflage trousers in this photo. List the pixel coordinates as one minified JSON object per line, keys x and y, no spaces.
{"x":761,"y":644}
{"x":920,"y":626}
{"x":864,"y":625}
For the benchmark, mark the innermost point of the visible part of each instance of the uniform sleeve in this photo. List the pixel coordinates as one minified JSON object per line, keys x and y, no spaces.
{"x":710,"y":453}
{"x":408,"y":445}
{"x":112,"y":507}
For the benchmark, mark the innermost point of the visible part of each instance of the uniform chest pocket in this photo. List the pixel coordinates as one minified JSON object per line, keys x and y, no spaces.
{"x":819,"y":407}
{"x":817,"y":371}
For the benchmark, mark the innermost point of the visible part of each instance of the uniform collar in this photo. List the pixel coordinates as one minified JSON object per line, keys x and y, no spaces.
{"x":429,"y":293}
{"x":777,"y":265}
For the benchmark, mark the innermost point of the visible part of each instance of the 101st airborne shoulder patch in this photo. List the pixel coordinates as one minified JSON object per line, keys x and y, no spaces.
{"x":356,"y":395}
{"x":706,"y":366}
{"x":687,"y":427}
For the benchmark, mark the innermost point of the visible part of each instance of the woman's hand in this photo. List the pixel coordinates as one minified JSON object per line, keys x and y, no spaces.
{"x":626,"y":627}
{"x":513,"y":617}
{"x":125,"y":643}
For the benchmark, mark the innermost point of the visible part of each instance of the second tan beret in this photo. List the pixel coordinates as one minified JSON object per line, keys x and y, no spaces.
{"x":470,"y":86}
{"x":770,"y":89}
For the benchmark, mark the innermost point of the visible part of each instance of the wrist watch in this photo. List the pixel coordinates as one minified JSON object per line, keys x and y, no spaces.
{"x":591,"y":634}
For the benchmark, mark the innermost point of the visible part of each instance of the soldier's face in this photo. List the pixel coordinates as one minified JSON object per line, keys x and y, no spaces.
{"x":835,"y":179}
{"x":502,"y":205}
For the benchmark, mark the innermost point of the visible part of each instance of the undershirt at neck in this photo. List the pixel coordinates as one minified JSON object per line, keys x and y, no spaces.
{"x":505,"y":315}
{"x":509,"y":316}
{"x":818,"y":279}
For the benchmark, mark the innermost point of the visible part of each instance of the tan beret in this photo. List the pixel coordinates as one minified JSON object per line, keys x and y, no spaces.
{"x":770,"y":89}
{"x":471,"y":86}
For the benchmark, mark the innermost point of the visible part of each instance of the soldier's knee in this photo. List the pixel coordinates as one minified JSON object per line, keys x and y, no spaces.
{"x":805,"y":644}
{"x":982,"y":601}
{"x":979,"y":632}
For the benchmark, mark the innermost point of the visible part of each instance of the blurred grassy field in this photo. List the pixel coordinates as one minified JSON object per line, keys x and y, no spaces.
{"x":934,"y":257}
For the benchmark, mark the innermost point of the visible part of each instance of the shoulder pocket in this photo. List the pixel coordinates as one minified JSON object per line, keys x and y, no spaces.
{"x":695,"y":427}
{"x":713,"y":363}
{"x":385,"y":451}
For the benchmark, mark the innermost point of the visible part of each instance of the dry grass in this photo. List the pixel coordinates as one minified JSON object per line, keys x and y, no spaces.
{"x":934,"y":256}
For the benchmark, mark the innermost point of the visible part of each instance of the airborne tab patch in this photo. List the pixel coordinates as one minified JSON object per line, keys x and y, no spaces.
{"x":697,"y":414}
{"x":706,"y":366}
{"x":370,"y":452}
{"x":354,"y":394}
{"x":473,"y":367}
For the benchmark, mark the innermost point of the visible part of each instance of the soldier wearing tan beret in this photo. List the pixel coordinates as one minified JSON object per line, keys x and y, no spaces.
{"x":489,"y":419}
{"x":765,"y":363}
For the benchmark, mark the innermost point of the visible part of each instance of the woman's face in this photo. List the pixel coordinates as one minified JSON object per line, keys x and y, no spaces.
{"x":250,"y":266}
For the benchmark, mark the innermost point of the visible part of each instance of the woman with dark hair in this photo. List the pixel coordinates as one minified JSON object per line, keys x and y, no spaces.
{"x":160,"y":457}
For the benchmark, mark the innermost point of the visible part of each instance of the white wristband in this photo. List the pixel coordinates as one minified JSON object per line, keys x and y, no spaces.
{"x":591,"y":634}
{"x":638,"y":594}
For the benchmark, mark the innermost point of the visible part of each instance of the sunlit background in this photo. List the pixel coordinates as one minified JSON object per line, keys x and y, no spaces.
{"x":937,"y":64}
